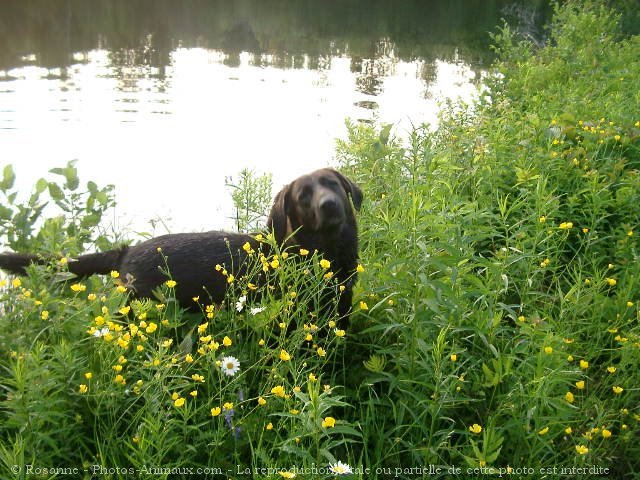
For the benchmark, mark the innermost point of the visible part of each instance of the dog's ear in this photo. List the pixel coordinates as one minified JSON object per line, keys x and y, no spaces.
{"x":278,"y":221}
{"x":351,"y":188}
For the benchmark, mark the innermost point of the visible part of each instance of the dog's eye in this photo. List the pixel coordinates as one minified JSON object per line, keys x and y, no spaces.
{"x":305,"y":195}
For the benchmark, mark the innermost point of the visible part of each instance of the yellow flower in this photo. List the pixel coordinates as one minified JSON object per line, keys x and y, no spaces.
{"x":203,"y":327}
{"x":188,"y":358}
{"x":312,"y":377}
{"x":454,"y":357}
{"x":324,"y":263}
{"x":321,"y":352}
{"x":140,"y":348}
{"x":278,"y":391}
{"x":88,"y":375}
{"x":120,"y":379}
{"x":328,"y":422}
{"x":76,"y":287}
{"x":585,"y":230}
{"x":569,"y":397}
{"x":544,"y":431}
{"x":584,"y":364}
{"x":568,"y":430}
{"x":359,"y":268}
{"x":227,"y":406}
{"x":115,"y":274}
{"x":275,"y":263}
{"x":170,"y":283}
{"x":83,"y":388}
{"x":606,"y":433}
{"x":580,"y":384}
{"x":197,"y":377}
{"x":629,"y":304}
{"x":247,"y":247}
{"x":16,"y":282}
{"x":611,"y":369}
{"x":617,"y":390}
{"x":193,"y":393}
{"x":44,"y":315}
{"x":261,"y":401}
{"x":152,"y":327}
{"x":230,"y":279}
{"x":611,"y":281}
{"x":582,"y":450}
{"x":308,"y":337}
{"x":125,"y":310}
{"x":121,"y":289}
{"x":179,"y":402}
{"x":475,"y":428}
{"x":521,"y":318}
{"x":294,"y":411}
{"x":226,"y":341}
{"x":340,"y":333}
{"x":566,"y":225}
{"x":215,"y":411}
{"x":363,"y":305}
{"x":548,"y":350}
{"x":304,"y":252}
{"x":542,"y":219}
{"x":284,"y":356}
{"x":285,"y":474}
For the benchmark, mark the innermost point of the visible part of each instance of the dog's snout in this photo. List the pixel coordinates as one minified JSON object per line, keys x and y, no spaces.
{"x":329,"y":207}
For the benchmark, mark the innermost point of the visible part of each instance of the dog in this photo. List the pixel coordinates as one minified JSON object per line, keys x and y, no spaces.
{"x":314,"y":212}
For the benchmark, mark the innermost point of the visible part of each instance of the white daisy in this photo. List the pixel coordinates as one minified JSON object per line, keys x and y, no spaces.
{"x":230,"y":366}
{"x":256,"y":310}
{"x":240,"y":303}
{"x":101,"y":332}
{"x":340,"y":468}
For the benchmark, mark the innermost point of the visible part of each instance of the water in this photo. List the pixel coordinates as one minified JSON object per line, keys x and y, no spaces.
{"x":166,"y":99}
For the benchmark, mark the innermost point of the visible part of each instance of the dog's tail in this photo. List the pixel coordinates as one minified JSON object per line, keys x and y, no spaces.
{"x":83,"y":266}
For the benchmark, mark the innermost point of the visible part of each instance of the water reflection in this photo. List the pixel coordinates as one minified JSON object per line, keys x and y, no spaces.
{"x":166,"y":98}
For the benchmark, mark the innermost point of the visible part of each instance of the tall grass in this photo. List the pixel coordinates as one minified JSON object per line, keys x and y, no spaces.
{"x":495,"y":326}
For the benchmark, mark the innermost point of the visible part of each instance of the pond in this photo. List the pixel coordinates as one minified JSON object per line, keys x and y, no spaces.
{"x":167,"y":99}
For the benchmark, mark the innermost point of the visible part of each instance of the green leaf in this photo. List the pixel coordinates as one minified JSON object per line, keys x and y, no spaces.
{"x":41,"y":185}
{"x":384,"y":133}
{"x":55,"y":191}
{"x":8,"y":178}
{"x":5,"y":213}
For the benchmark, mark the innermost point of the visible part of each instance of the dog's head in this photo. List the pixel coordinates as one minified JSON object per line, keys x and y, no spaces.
{"x":315,"y":203}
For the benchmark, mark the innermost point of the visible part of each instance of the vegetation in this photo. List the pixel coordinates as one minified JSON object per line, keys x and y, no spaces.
{"x":495,"y":324}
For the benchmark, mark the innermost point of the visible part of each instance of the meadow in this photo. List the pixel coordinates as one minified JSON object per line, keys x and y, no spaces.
{"x":495,"y":329}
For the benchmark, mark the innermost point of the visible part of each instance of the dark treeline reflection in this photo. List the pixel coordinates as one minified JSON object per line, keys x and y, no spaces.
{"x":282,"y":33}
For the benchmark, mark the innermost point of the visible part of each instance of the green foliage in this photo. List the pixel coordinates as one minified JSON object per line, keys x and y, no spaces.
{"x":71,"y":231}
{"x":496,"y":319}
{"x":252,"y":198}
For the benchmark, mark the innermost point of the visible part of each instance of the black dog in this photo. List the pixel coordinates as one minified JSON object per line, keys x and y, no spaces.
{"x":313,"y":212}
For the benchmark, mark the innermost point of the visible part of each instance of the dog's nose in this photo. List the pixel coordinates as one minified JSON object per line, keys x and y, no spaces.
{"x":329,"y":207}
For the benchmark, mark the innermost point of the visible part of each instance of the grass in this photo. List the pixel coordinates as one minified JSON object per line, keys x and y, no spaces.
{"x":495,"y":324}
